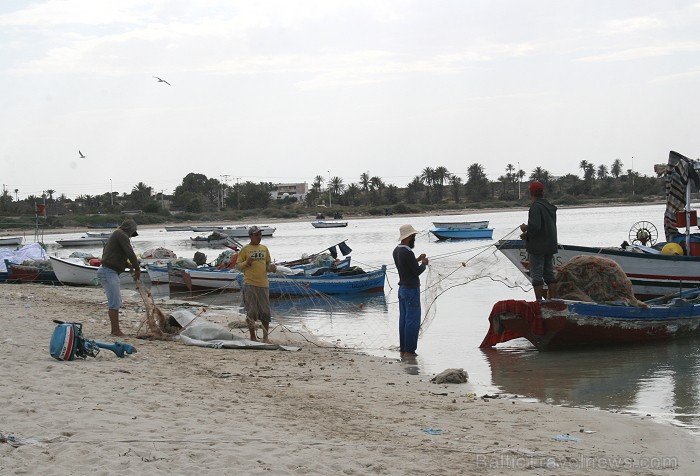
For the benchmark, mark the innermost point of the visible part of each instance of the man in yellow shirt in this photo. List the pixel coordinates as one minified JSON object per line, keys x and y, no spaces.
{"x":255,"y":262}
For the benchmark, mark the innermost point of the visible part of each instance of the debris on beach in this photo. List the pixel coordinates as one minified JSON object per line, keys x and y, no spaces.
{"x":451,"y":376}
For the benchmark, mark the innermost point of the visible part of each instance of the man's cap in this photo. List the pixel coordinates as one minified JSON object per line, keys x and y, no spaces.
{"x":536,"y":186}
{"x":405,"y":231}
{"x":253,"y":230}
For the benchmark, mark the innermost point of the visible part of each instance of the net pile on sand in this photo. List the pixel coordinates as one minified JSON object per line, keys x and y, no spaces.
{"x":155,"y":322}
{"x":594,"y":279}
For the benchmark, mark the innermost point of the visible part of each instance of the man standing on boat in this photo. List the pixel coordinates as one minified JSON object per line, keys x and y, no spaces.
{"x":409,"y":289}
{"x":255,"y":262}
{"x":117,"y":255}
{"x":540,"y":235}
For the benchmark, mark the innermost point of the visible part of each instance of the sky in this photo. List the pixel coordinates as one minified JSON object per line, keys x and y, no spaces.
{"x":285,"y":90}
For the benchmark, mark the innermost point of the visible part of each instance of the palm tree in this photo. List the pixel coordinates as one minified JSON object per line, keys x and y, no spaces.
{"x":352,"y":192}
{"x":51,"y":192}
{"x":364,"y":181}
{"x":426,"y":177}
{"x":376,"y":184}
{"x":602,"y":172}
{"x":583,"y":165}
{"x":336,"y":185}
{"x":17,"y":195}
{"x":440,"y":176}
{"x":141,"y":194}
{"x":456,"y":184}
{"x":616,"y":168}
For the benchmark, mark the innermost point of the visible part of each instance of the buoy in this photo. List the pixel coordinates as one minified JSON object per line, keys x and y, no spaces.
{"x":672,"y":249}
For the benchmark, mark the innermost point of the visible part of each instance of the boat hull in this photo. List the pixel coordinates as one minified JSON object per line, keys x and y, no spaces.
{"x":557,"y":324}
{"x":652,"y":275}
{"x":329,"y":224}
{"x":462,"y":233}
{"x":72,"y":273}
{"x":11,"y":240}
{"x":85,"y":241}
{"x":461,"y":224}
{"x":330,"y":283}
{"x":242,"y":231}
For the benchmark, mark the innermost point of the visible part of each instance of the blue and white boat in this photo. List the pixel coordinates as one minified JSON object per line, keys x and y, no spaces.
{"x":451,"y":233}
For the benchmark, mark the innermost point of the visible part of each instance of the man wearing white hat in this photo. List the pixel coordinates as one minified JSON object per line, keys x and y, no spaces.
{"x":409,"y":289}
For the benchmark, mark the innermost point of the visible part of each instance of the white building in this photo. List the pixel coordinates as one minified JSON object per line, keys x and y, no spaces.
{"x":298,"y":190}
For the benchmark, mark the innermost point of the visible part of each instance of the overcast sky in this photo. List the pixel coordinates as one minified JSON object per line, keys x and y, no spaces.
{"x":286,"y":90}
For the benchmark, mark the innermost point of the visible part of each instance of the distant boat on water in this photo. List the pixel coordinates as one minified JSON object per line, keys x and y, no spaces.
{"x":329,"y":224}
{"x":462,"y":233}
{"x":461,"y":224}
{"x":11,"y":240}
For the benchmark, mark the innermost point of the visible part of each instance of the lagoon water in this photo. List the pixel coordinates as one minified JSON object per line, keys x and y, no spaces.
{"x":659,"y":380}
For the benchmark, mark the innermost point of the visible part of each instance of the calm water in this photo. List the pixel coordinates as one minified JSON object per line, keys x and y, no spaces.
{"x":661,"y":380}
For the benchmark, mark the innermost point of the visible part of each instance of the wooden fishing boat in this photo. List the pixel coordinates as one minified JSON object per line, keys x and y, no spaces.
{"x":241,"y":231}
{"x":11,"y":240}
{"x":75,"y":272}
{"x":652,"y":274}
{"x":87,"y":241}
{"x":206,"y":228}
{"x":217,"y":238}
{"x":561,"y":324}
{"x":461,"y":224}
{"x":207,"y":277}
{"x":329,"y":224}
{"x":342,"y":282}
{"x":462,"y":233}
{"x":178,"y":228}
{"x":38,"y":272}
{"x":98,"y":234}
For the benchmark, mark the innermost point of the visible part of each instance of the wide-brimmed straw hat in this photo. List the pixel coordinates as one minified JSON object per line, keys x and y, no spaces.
{"x":405,"y":231}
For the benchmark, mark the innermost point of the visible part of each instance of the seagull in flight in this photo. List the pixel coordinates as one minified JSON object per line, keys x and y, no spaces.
{"x":162,"y":81}
{"x":81,"y":155}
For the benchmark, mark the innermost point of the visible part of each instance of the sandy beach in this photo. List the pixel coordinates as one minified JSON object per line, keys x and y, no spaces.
{"x":176,"y":409}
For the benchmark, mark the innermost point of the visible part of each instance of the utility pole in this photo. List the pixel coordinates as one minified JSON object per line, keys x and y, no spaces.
{"x":162,"y":200}
{"x":519,"y":180}
{"x":238,"y":193}
{"x":633,"y":176}
{"x":224,"y":179}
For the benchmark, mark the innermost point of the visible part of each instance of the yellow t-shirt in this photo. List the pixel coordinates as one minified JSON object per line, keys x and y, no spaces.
{"x":256,"y":273}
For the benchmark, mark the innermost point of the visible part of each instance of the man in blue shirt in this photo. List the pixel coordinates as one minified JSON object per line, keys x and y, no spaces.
{"x":409,"y":289}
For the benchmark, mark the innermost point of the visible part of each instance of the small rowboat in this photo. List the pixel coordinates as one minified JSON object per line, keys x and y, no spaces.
{"x":462,"y":233}
{"x":87,"y":241}
{"x":11,"y":240}
{"x":461,"y":224}
{"x":75,"y":272}
{"x":329,"y":224}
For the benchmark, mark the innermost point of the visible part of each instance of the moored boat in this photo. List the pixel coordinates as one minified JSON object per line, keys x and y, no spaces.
{"x":462,"y":233}
{"x":563,"y":324}
{"x":350,"y":281}
{"x":461,"y":224}
{"x":652,"y":274}
{"x":31,"y":271}
{"x":206,"y":228}
{"x":11,"y":240}
{"x":329,"y":224}
{"x":75,"y":272}
{"x":178,"y":228}
{"x":83,"y":241}
{"x":241,"y":231}
{"x":98,"y":234}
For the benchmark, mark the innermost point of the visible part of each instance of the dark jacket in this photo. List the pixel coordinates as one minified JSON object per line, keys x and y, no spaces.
{"x":407,"y":266}
{"x":118,"y":248}
{"x":542,"y":228}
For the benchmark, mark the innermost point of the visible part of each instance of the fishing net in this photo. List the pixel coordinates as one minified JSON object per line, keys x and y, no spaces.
{"x":454,"y":270}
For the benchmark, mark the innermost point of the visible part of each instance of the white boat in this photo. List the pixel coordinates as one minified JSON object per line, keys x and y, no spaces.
{"x":74,"y":272}
{"x":11,"y":240}
{"x":206,"y":228}
{"x":329,"y":224}
{"x":241,"y":231}
{"x":178,"y":228}
{"x":462,"y":224}
{"x":99,"y":234}
{"x":83,"y":241}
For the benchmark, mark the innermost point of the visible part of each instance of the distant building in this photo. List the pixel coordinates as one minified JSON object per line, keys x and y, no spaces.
{"x":297,"y":190}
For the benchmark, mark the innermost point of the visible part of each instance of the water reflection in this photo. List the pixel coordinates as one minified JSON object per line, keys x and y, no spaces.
{"x":662,"y":378}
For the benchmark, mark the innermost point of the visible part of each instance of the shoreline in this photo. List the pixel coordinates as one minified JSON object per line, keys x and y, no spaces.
{"x":260,"y":220}
{"x":175,"y":409}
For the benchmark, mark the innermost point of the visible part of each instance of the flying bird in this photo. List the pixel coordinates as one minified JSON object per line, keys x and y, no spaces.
{"x":81,"y":155}
{"x":162,"y":81}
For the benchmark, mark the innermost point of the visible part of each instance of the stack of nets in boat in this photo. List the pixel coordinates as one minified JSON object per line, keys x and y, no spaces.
{"x":594,"y":279}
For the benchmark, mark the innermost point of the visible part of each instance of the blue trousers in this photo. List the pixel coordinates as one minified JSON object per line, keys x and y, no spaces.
{"x":409,"y":319}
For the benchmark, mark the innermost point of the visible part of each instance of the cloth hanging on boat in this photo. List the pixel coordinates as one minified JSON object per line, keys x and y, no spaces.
{"x":678,"y":172}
